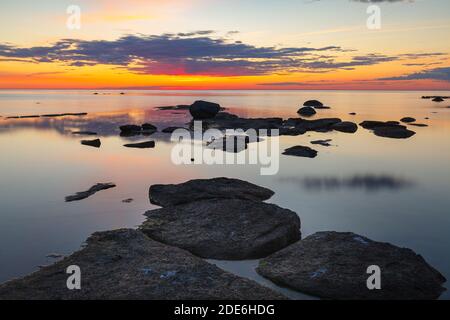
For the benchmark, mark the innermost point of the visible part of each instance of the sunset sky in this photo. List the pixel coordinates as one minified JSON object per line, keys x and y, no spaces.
{"x":218,"y":44}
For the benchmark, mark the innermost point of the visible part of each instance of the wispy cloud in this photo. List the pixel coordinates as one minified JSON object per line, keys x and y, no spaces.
{"x":441,"y":74}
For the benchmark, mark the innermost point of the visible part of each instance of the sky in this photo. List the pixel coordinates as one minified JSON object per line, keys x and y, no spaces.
{"x":216,"y":44}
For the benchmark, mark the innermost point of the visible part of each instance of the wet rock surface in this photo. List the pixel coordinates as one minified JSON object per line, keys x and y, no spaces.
{"x":301,"y":151}
{"x":224,"y":229}
{"x":125,"y":264}
{"x":201,"y":189}
{"x":96,"y":143}
{"x":334,"y":265}
{"x":141,"y":145}
{"x":91,"y":191}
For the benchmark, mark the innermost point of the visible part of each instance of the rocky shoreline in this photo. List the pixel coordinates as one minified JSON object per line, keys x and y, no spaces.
{"x":224,"y":218}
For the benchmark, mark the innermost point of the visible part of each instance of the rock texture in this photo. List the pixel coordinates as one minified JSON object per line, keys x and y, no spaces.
{"x":91,"y":191}
{"x":125,"y":264}
{"x":202,"y":189}
{"x":301,"y":151}
{"x":334,"y":265}
{"x":225,"y":229}
{"x":306,"y":111}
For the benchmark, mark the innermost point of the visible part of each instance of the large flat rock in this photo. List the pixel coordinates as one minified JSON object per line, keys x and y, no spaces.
{"x":334,"y":265}
{"x":226,"y":229}
{"x":125,"y":264}
{"x":199,"y":189}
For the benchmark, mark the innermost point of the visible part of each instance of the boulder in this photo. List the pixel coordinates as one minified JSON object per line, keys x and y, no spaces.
{"x":301,"y":151}
{"x":334,"y":265}
{"x":201,"y":189}
{"x":92,"y":190}
{"x":148,"y":127}
{"x":345,"y":126}
{"x":224,"y":229}
{"x":438,"y":99}
{"x":141,"y":145}
{"x":376,"y":124}
{"x":204,"y":110}
{"x":126,"y":265}
{"x":407,"y":120}
{"x":313,"y":103}
{"x":130,"y":128}
{"x":306,"y":111}
{"x":225,"y":120}
{"x":96,"y":143}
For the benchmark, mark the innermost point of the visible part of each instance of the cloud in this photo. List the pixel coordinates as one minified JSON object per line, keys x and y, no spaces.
{"x":441,"y":74}
{"x":192,"y":53}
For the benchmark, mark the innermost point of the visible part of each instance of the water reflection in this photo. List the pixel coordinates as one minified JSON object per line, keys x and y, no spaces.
{"x":367,"y":182}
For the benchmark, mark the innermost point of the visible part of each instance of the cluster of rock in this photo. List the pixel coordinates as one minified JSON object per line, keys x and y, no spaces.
{"x":388,"y":129}
{"x":225,"y":218}
{"x":220,"y":218}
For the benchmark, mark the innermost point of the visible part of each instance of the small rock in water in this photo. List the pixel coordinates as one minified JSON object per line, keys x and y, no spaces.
{"x":408,"y":120}
{"x":352,"y":113}
{"x":94,"y":189}
{"x":130,"y":128}
{"x":129,"y":200}
{"x":325,"y":143}
{"x":306,"y":111}
{"x":92,"y":143}
{"x":85,"y":133}
{"x":149,"y":127}
{"x":419,"y":124}
{"x":141,"y":145}
{"x":300,"y":151}
{"x":313,"y":103}
{"x":334,"y":265}
{"x":438,"y":99}
{"x":345,"y":126}
{"x":393,"y":132}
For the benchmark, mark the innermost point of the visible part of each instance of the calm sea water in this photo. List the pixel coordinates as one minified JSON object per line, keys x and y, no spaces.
{"x":388,"y":190}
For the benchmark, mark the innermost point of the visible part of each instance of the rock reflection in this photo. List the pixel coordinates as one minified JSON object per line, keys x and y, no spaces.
{"x":366,"y":182}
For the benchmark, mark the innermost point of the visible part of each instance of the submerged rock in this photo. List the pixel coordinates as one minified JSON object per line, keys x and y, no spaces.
{"x":306,"y":111}
{"x":345,"y":126}
{"x":204,"y":110}
{"x":418,"y":124}
{"x":201,"y":189}
{"x":85,"y":133}
{"x":407,"y":120}
{"x":125,"y":264}
{"x":178,"y":107}
{"x":92,"y":190}
{"x":130,"y":128}
{"x":300,"y":151}
{"x":92,"y":143}
{"x":141,"y":145}
{"x":225,"y":229}
{"x":334,"y":265}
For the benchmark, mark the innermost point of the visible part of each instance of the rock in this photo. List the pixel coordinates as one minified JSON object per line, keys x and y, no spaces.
{"x":171,"y":129}
{"x":126,"y":265}
{"x":202,"y":189}
{"x":85,"y":133}
{"x":178,"y":107}
{"x":318,"y":125}
{"x":92,"y":143}
{"x":334,"y":265}
{"x":345,"y":126}
{"x":291,"y":131}
{"x":141,"y":145}
{"x":92,"y":190}
{"x":377,"y":124}
{"x":306,"y":111}
{"x":54,"y":255}
{"x":313,"y":103}
{"x":438,"y":99}
{"x":149,"y":127}
{"x":301,"y":151}
{"x":204,"y":110}
{"x":224,"y":229}
{"x":352,"y":113}
{"x":233,"y":143}
{"x":225,"y":120}
{"x":325,"y":143}
{"x":418,"y":124}
{"x":397,"y":132}
{"x":129,"y":200}
{"x":407,"y":120}
{"x":130,"y":128}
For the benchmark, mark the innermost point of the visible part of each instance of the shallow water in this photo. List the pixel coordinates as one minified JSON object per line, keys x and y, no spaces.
{"x":388,"y":190}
